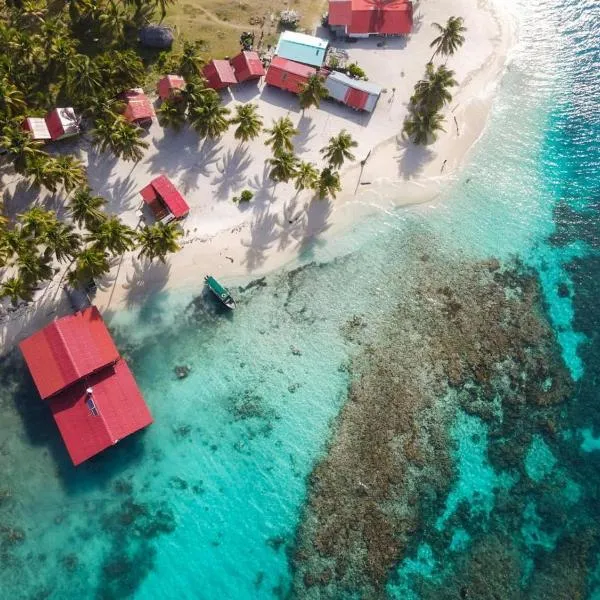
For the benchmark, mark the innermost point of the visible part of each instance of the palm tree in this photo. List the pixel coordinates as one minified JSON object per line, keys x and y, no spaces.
{"x":451,"y":37}
{"x":113,"y":235}
{"x":12,"y":101}
{"x":431,"y":93}
{"x":209,"y":118}
{"x":284,"y":166}
{"x":312,"y":92}
{"x":62,"y":241}
{"x":36,"y":221}
{"x":89,"y":264}
{"x":422,"y":127}
{"x":307,"y":176}
{"x":86,"y":209}
{"x":121,"y":137}
{"x":158,"y":240}
{"x":71,"y":172}
{"x":190,"y":61}
{"x":15,"y":243}
{"x":280,"y":135}
{"x":249,"y":122}
{"x":163,"y":4}
{"x":20,"y":147}
{"x":83,"y":78}
{"x":42,"y":168}
{"x":34,"y":267}
{"x":339,"y":149}
{"x":17,"y":288}
{"x":328,"y":183}
{"x":172,"y":113}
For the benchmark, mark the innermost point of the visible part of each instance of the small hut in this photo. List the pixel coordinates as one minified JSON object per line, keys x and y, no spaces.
{"x":247,"y":66}
{"x":156,"y":36}
{"x":164,"y":200}
{"x":219,"y":74}
{"x":62,"y":123}
{"x":288,"y":75}
{"x":170,"y":86}
{"x":355,"y":93}
{"x":138,"y":109}
{"x":37,"y":127}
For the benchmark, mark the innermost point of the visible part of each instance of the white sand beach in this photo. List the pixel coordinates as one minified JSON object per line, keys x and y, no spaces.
{"x":238,"y":243}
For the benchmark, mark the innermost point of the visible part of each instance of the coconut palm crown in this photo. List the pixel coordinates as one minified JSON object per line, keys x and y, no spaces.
{"x":280,"y":135}
{"x":338,"y":149}
{"x":249,"y":122}
{"x":451,"y":37}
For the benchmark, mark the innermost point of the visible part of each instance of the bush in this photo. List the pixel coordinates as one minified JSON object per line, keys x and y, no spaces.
{"x":289,"y":19}
{"x":355,"y":71}
{"x":245,"y":196}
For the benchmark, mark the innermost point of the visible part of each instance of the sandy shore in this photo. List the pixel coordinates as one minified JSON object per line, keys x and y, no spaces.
{"x":239,"y":243}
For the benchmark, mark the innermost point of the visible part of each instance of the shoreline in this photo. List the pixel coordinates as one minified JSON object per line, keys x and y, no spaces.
{"x":238,"y":244}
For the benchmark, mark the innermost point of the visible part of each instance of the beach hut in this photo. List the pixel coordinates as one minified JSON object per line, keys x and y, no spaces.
{"x":37,"y":127}
{"x":302,"y":48}
{"x":170,"y":86}
{"x":89,"y":388}
{"x":62,"y":123}
{"x":247,"y":66}
{"x":219,"y":74}
{"x":362,"y":18}
{"x":358,"y":94}
{"x":138,"y":108}
{"x":288,"y":75}
{"x":164,"y":200}
{"x":156,"y":36}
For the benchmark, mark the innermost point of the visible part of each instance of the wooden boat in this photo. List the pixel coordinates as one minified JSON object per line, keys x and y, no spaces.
{"x":221,"y":292}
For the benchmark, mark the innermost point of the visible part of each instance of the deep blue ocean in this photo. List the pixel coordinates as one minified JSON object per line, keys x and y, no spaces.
{"x":212,"y":500}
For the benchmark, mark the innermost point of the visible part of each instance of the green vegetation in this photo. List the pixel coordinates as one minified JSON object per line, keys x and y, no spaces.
{"x":328,"y":183}
{"x":283,"y":166}
{"x":249,"y":122}
{"x":244,"y":197}
{"x":280,"y":135}
{"x":307,"y":176}
{"x":432,"y":92}
{"x":339,"y":149}
{"x":159,"y":240}
{"x":312,"y":92}
{"x":355,"y":71}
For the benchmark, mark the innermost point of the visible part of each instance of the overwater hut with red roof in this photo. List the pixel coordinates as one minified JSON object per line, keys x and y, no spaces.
{"x":89,"y":388}
{"x":170,"y":86}
{"x":62,"y":123}
{"x":247,"y":66}
{"x":37,"y":127}
{"x":219,"y":74}
{"x":362,"y":18}
{"x":288,"y":75}
{"x":138,"y":108}
{"x":164,"y":200}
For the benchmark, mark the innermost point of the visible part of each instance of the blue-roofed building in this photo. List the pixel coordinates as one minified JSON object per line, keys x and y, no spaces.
{"x":302,"y":48}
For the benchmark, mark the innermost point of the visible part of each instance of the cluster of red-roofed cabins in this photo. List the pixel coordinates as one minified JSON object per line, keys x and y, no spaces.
{"x":58,"y":124}
{"x":88,"y":386}
{"x":245,"y":66}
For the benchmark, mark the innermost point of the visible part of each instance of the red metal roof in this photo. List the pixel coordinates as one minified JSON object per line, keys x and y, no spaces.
{"x":168,"y":84}
{"x":139,"y":107}
{"x":162,"y":187}
{"x":219,"y":74}
{"x":119,"y":411}
{"x":373,"y":16}
{"x":247,"y":65}
{"x":62,"y":122}
{"x":288,"y":74}
{"x":356,"y":98}
{"x":67,"y":350}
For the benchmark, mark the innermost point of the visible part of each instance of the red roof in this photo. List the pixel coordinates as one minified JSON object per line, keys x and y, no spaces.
{"x":62,"y":122}
{"x":168,"y":84}
{"x":119,"y":411}
{"x":247,"y":65}
{"x":356,"y":98}
{"x":139,"y":108}
{"x":93,"y":396}
{"x":67,"y":350}
{"x":162,"y":188}
{"x":38,"y":128}
{"x":219,"y":74}
{"x":372,"y":16}
{"x":288,"y":74}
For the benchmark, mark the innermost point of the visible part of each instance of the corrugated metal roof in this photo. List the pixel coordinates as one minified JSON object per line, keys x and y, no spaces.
{"x":67,"y":350}
{"x":247,"y":65}
{"x":219,"y":74}
{"x":169,"y":194}
{"x":168,"y":84}
{"x":62,"y":122}
{"x":139,"y":107}
{"x":357,"y":84}
{"x":91,"y":423}
{"x":38,"y":128}
{"x":302,"y":48}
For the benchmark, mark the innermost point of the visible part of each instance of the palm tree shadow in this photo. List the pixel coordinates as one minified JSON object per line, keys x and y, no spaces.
{"x":120,"y":194}
{"x":316,"y":222}
{"x":261,"y":186}
{"x":208,"y":155}
{"x":418,"y":19}
{"x":175,"y":151}
{"x":263,"y":232}
{"x":411,"y":157}
{"x":231,"y":174}
{"x":147,"y":277}
{"x":292,"y":223}
{"x":306,"y":128}
{"x":24,"y":196}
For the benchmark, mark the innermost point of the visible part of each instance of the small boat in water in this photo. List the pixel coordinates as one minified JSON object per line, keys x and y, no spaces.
{"x":221,"y":292}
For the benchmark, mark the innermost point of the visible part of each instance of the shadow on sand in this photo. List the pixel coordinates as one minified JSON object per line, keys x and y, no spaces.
{"x":316,"y":222}
{"x":231,"y":172}
{"x":263,"y":233}
{"x":146,"y":278}
{"x":411,"y":158}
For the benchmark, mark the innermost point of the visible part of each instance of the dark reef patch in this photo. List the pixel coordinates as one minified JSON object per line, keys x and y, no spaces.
{"x":466,"y":336}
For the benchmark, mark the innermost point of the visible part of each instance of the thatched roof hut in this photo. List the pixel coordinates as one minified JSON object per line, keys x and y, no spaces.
{"x":156,"y":36}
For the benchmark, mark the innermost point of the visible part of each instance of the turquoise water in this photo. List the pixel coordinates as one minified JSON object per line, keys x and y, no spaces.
{"x":207,"y":501}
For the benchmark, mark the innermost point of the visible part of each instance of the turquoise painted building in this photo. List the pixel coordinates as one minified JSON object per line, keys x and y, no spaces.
{"x":302,"y":48}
